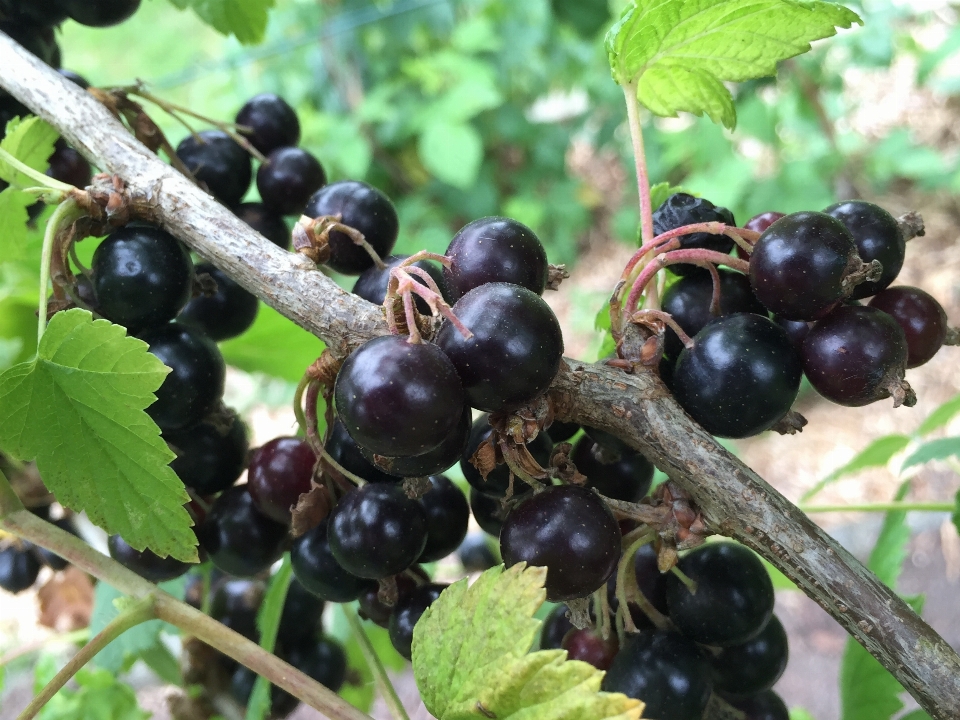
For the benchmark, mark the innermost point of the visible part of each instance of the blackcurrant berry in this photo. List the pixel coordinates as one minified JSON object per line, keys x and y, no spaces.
{"x":682,"y":209}
{"x":800,"y":264}
{"x":753,"y":666}
{"x":363,"y":208}
{"x":398,"y":398}
{"x":279,"y":473}
{"x":271,"y":226}
{"x":628,"y":478}
{"x":448,"y":514}
{"x":488,"y":512}
{"x":495,"y":249}
{"x":376,"y":531}
{"x":562,"y":431}
{"x":475,"y":553}
{"x":796,"y":330}
{"x":372,"y":283}
{"x":227,"y":313}
{"x":37,"y":12}
{"x":688,"y":301}
{"x":922,"y":319}
{"x":19,"y":568}
{"x":142,"y":277}
{"x":300,"y":617}
{"x":372,"y":608}
{"x":272,"y":123}
{"x":69,"y":166}
{"x":100,"y":13}
{"x":432,"y":462}
{"x":209,"y":458}
{"x":235,"y":602}
{"x":314,"y":565}
{"x":650,"y":581}
{"x":766,"y":705}
{"x":48,"y":557}
{"x":38,"y":39}
{"x":324,"y":660}
{"x":288,"y":178}
{"x":240,"y":539}
{"x":515,"y":350}
{"x":740,"y":377}
{"x":407,"y":614}
{"x":73,"y":77}
{"x":588,"y":646}
{"x":877,"y":236}
{"x":855,"y":356}
{"x":555,"y":627}
{"x":242,"y":681}
{"x":664,"y":670}
{"x":759,"y":223}
{"x":570,"y":531}
{"x":498,"y":480}
{"x":345,"y":451}
{"x":195,"y":383}
{"x":216,"y":160}
{"x":146,"y":563}
{"x":733,"y":599}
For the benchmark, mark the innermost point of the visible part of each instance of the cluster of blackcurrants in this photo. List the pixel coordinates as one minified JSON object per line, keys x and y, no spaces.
{"x":809,"y":271}
{"x":723,"y":638}
{"x":21,"y":561}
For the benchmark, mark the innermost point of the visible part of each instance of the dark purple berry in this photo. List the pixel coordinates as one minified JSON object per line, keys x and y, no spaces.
{"x":363,"y":208}
{"x":588,"y":646}
{"x":570,"y":531}
{"x":372,"y":283}
{"x":210,"y":457}
{"x":627,"y":478}
{"x":100,"y":13}
{"x":279,"y":472}
{"x":650,"y":581}
{"x":489,"y":512}
{"x":682,"y":209}
{"x":448,"y":515}
{"x":408,"y":613}
{"x":288,"y":178}
{"x":345,"y":451}
{"x":498,"y":480}
{"x":432,"y":462}
{"x":273,"y":123}
{"x":555,"y":627}
{"x":235,"y":602}
{"x":475,"y":553}
{"x":766,"y":705}
{"x":240,"y":539}
{"x":36,"y":12}
{"x":300,"y":617}
{"x":271,"y":226}
{"x":855,"y":356}
{"x":515,"y":350}
{"x":753,"y":666}
{"x":38,"y":39}
{"x":733,"y":599}
{"x":759,"y":223}
{"x":495,"y":249}
{"x":18,"y":569}
{"x":216,"y":160}
{"x":314,"y":565}
{"x":229,"y":312}
{"x":877,"y":236}
{"x":142,"y":277}
{"x":796,"y":330}
{"x":324,"y":660}
{"x":69,"y":166}
{"x":919,"y":315}
{"x":146,"y":563}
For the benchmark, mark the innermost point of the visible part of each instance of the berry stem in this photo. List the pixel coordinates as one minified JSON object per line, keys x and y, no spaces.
{"x":666,"y":319}
{"x":690,"y":583}
{"x":139,"y":612}
{"x":882,"y":507}
{"x":627,"y":577}
{"x":640,"y":160}
{"x":311,"y":400}
{"x":387,"y":690}
{"x":66,"y":213}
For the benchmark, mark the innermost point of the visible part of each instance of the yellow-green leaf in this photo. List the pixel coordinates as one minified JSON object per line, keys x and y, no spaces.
{"x":30,"y":141}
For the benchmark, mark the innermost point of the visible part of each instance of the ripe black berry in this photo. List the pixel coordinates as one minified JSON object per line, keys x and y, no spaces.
{"x":314,"y":565}
{"x":279,"y":473}
{"x":324,"y":660}
{"x":372,"y":283}
{"x":344,"y":449}
{"x":38,"y":12}
{"x":688,"y":302}
{"x":919,"y":315}
{"x":681,"y":209}
{"x":475,"y":553}
{"x":229,"y":312}
{"x":759,"y":223}
{"x":372,"y":608}
{"x":18,"y":569}
{"x":515,"y":350}
{"x":796,"y":330}
{"x":432,"y":462}
{"x":398,"y":398}
{"x":627,"y":478}
{"x":650,"y":581}
{"x":271,"y":226}
{"x":235,"y":603}
{"x":568,"y":530}
{"x":447,"y":514}
{"x":273,"y":123}
{"x":733,"y":600}
{"x":300,"y":617}
{"x":498,"y":480}
{"x":799,"y":265}
{"x":242,"y":681}
{"x":740,"y":377}
{"x":69,"y":166}
{"x":877,"y":236}
{"x":407,"y":614}
{"x":495,"y":249}
{"x":37,"y":39}
{"x":664,"y":670}
{"x":142,"y":277}
{"x":195,"y":383}
{"x":753,"y":666}
{"x":489,"y":512}
{"x":100,"y":13}
{"x":146,"y":563}
{"x":376,"y":531}
{"x":209,"y":458}
{"x":217,"y":161}
{"x":855,"y":356}
{"x":288,"y":178}
{"x":555,"y":627}
{"x":762,"y":706}
{"x":363,"y":208}
{"x":588,"y":646}
{"x":240,"y":539}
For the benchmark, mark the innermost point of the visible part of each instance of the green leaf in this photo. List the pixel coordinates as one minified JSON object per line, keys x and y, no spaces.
{"x":13,"y":223}
{"x":268,"y":623}
{"x":876,"y":454}
{"x":244,"y":19}
{"x":273,"y":346}
{"x":939,"y":449}
{"x":661,"y":191}
{"x":30,"y":141}
{"x":917,"y":714}
{"x":941,"y":416}
{"x":680,"y":52}
{"x":470,"y":651}
{"x":452,"y":151}
{"x":78,"y":410}
{"x":361,"y":693}
{"x":163,"y":662}
{"x":800,"y":714}
{"x":100,"y":695}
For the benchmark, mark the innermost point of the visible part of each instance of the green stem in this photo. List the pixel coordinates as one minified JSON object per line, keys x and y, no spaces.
{"x":685,"y":579}
{"x":65,"y":212}
{"x":882,"y":507}
{"x":9,"y":502}
{"x":35,"y":175}
{"x":139,"y":612}
{"x":640,"y":160}
{"x":373,"y":660}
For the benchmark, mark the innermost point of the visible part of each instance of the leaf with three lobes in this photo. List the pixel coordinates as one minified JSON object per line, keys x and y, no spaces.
{"x":78,"y":410}
{"x":470,"y":652}
{"x":679,"y":53}
{"x":29,"y":140}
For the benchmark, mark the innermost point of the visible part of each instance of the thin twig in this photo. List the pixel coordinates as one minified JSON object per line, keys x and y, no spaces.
{"x":387,"y":690}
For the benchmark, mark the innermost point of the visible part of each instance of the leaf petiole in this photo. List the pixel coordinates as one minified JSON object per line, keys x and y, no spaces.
{"x":66,"y":213}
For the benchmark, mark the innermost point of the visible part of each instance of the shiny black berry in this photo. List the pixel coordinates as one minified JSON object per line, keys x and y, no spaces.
{"x":407,"y":614}
{"x":919,"y":315}
{"x":753,"y":666}
{"x":627,"y":478}
{"x":37,"y":12}
{"x":796,"y":330}
{"x":682,"y":209}
{"x":877,"y":236}
{"x":279,"y":473}
{"x":271,"y":121}
{"x":100,"y":13}
{"x":210,"y":457}
{"x":324,"y":660}
{"x":570,"y":531}
{"x":300,"y":617}
{"x":240,"y":539}
{"x":345,"y":451}
{"x":314,"y":565}
{"x":227,"y":313}
{"x":733,"y":599}
{"x":498,"y":480}
{"x":495,"y":249}
{"x":235,"y":602}
{"x":448,"y":514}
{"x":268,"y":224}
{"x":363,"y":208}
{"x":766,"y":705}
{"x":69,"y":166}
{"x":146,"y":563}
{"x":288,"y":178}
{"x":432,"y":462}
{"x":18,"y":569}
{"x":216,"y":160}
{"x":142,"y":277}
{"x":489,"y":512}
{"x":555,"y":627}
{"x":372,"y":283}
{"x":475,"y":553}
{"x":515,"y":350}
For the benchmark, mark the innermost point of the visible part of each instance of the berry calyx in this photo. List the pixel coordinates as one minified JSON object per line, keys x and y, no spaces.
{"x":497,"y":481}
